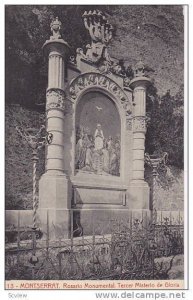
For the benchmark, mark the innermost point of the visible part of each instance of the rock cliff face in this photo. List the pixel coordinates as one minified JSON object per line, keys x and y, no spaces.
{"x":156,"y":33}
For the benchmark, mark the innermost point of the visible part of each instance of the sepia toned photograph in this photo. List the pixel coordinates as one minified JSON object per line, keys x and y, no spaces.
{"x":94,"y":146}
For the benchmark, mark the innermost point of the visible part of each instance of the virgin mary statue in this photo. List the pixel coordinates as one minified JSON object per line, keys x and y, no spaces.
{"x":98,"y":137}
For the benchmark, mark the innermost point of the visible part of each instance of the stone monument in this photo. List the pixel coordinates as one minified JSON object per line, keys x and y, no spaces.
{"x":97,"y":116}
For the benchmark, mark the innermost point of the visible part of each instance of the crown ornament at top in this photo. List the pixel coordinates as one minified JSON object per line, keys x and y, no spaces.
{"x":101,"y":33}
{"x":98,"y":26}
{"x":55,"y":29}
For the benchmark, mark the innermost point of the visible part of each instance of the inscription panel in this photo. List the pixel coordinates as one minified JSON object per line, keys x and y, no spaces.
{"x":98,"y":196}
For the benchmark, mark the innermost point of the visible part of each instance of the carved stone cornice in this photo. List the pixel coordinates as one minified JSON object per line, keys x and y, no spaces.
{"x":55,"y":99}
{"x":139,"y":82}
{"x":54,"y":54}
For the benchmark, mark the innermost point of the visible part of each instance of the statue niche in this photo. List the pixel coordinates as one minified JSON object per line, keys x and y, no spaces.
{"x":98,"y":131}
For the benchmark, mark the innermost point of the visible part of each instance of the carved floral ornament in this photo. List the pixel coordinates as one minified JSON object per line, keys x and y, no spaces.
{"x":97,"y":80}
{"x":55,"y":99}
{"x":139,"y":124}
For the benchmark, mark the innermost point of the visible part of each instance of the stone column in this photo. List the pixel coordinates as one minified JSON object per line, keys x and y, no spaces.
{"x":140,"y":188}
{"x":54,"y":185}
{"x":139,"y":126}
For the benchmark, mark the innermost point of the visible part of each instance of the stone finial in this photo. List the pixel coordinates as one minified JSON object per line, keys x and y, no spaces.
{"x":98,"y":26}
{"x":55,"y":29}
{"x":139,"y":69}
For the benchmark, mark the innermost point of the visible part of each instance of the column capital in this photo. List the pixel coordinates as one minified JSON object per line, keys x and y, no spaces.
{"x":140,"y":82}
{"x":139,"y":124}
{"x":55,"y":99}
{"x":57,"y":45}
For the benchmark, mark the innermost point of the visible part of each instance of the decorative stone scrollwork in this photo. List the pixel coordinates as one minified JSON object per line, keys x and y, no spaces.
{"x":105,"y":67}
{"x":84,"y":81}
{"x":139,"y":124}
{"x":127,"y":107}
{"x":80,"y":52}
{"x":93,"y":79}
{"x":126,"y":81}
{"x":55,"y":99}
{"x":73,"y":59}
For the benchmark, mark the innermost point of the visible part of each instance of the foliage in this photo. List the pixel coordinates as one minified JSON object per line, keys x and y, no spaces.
{"x":27,"y":28}
{"x":165,"y":132}
{"x":18,"y":155}
{"x":133,"y":250}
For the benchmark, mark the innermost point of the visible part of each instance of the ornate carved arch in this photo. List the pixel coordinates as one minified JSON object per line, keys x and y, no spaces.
{"x":90,"y":80}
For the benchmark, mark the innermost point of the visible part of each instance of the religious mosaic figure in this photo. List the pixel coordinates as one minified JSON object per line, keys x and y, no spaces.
{"x":113,"y":162}
{"x":89,"y":159}
{"x":97,"y":154}
{"x":105,"y":158}
{"x":99,"y":137}
{"x":81,"y":149}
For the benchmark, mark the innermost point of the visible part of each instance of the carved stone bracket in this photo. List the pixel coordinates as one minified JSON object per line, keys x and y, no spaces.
{"x":55,"y":99}
{"x":129,"y":123}
{"x":68,"y":107}
{"x":139,"y":124}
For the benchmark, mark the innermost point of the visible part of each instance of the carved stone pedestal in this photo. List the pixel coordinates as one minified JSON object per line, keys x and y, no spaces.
{"x":138,"y":194}
{"x":55,"y":193}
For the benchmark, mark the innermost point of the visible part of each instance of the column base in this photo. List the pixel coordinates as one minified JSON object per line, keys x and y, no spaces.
{"x":55,"y":194}
{"x":138,"y":195}
{"x":56,"y":223}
